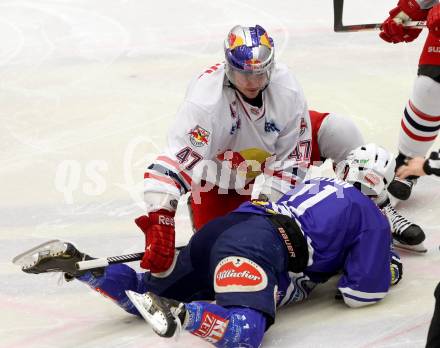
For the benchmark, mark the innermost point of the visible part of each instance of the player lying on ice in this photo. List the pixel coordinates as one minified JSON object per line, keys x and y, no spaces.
{"x":261,"y":256}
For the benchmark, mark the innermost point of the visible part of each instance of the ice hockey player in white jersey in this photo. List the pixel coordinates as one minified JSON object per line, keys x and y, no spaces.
{"x":333,"y":137}
{"x":420,"y":122}
{"x":239,"y":119}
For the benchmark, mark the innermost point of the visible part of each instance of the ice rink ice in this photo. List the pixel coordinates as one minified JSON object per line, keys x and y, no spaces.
{"x":87,"y":91}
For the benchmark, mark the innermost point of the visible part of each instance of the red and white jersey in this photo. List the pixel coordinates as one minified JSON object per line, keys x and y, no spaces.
{"x":219,"y":138}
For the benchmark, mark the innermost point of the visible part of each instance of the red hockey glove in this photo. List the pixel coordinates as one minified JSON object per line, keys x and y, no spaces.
{"x":433,"y":21}
{"x":158,"y":228}
{"x":392,"y":30}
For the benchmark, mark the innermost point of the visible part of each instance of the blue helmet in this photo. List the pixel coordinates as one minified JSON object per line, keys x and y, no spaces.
{"x":249,"y":50}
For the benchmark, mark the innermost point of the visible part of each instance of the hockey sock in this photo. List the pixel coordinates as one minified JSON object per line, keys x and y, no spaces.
{"x":226,"y":327}
{"x":421,"y":120}
{"x":116,"y":279}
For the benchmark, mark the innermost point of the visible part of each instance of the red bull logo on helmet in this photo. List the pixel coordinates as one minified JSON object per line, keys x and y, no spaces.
{"x":235,"y":41}
{"x":264,"y":40}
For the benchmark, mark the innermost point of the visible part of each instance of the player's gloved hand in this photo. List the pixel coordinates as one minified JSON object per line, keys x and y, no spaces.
{"x":396,"y":269}
{"x":392,"y":30}
{"x":433,"y":20}
{"x":158,"y":228}
{"x":432,"y":164}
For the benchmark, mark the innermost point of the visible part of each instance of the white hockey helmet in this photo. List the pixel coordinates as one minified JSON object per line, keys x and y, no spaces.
{"x":249,"y":50}
{"x":369,"y":167}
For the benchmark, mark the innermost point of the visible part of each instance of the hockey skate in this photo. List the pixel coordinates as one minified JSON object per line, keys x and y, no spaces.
{"x":402,"y":188}
{"x":406,"y":235}
{"x":54,"y":256}
{"x":166,"y":316}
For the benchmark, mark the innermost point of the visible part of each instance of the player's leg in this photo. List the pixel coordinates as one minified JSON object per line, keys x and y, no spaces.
{"x":245,"y":286}
{"x":58,"y":256}
{"x":182,"y":281}
{"x":221,"y":326}
{"x":433,"y":340}
{"x":421,"y":120}
{"x":245,"y":265}
{"x":185,"y":280}
{"x":113,"y":284}
{"x":206,"y":206}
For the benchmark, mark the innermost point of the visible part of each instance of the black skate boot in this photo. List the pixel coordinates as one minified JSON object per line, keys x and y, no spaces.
{"x":166,"y":316}
{"x":406,"y":235}
{"x":54,"y":256}
{"x":402,"y":188}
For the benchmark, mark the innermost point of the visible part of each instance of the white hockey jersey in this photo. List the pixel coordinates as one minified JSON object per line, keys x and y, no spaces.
{"x":219,"y":138}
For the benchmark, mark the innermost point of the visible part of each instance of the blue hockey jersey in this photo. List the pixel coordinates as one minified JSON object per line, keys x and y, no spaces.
{"x":345,"y":231}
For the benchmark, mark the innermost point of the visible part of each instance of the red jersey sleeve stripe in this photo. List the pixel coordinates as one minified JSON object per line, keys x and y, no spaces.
{"x":162,"y":179}
{"x":176,"y":165}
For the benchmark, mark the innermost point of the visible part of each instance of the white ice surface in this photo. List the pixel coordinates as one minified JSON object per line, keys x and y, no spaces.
{"x":87,"y":91}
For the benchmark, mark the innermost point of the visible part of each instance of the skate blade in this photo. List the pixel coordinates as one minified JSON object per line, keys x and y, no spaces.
{"x":30,"y":257}
{"x":418,"y":248}
{"x":143,"y":306}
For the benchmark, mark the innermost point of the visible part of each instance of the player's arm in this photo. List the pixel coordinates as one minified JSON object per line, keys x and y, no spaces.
{"x":292,"y":153}
{"x":170,"y":175}
{"x":433,"y":20}
{"x":338,"y":136}
{"x":393,"y":30}
{"x":368,"y":273}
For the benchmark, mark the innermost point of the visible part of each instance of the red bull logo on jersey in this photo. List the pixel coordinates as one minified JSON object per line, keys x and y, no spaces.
{"x":248,"y":162}
{"x":235,"y":273}
{"x":199,"y":136}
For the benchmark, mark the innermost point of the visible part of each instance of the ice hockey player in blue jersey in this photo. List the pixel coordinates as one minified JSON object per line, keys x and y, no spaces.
{"x":262,"y":256}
